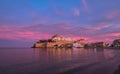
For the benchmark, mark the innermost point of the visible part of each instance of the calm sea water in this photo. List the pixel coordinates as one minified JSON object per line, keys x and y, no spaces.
{"x":54,"y":61}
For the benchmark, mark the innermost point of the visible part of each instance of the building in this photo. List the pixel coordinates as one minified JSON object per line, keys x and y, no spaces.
{"x":57,"y":37}
{"x":98,"y":45}
{"x":56,"y":41}
{"x":116,"y":43}
{"x":80,"y":43}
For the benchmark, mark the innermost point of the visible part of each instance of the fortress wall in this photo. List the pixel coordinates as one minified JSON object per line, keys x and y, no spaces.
{"x":50,"y":44}
{"x":37,"y":45}
{"x":59,"y":43}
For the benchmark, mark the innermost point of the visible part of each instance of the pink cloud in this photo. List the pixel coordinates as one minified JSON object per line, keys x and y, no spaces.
{"x":101,"y":26}
{"x":85,"y":5}
{"x":76,"y":12}
{"x":59,"y":11}
{"x":34,"y":32}
{"x":21,"y":34}
{"x":108,"y":37}
{"x":77,"y":37}
{"x":112,"y":15}
{"x":113,"y":34}
{"x":63,"y":26}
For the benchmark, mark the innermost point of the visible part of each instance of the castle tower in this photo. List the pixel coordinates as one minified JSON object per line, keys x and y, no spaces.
{"x":57,"y":37}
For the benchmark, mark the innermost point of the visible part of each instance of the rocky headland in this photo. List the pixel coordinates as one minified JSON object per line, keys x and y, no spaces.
{"x":58,"y":41}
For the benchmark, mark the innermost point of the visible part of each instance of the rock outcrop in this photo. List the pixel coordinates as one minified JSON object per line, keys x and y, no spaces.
{"x":56,"y":41}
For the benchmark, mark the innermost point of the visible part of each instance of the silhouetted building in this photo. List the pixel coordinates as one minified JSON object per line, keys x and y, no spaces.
{"x":116,"y":43}
{"x":97,"y":45}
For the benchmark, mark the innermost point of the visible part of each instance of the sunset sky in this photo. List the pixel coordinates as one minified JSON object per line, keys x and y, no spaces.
{"x":23,"y":22}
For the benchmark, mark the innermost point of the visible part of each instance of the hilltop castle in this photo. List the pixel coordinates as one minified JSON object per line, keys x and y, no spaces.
{"x":63,"y":42}
{"x":59,"y":41}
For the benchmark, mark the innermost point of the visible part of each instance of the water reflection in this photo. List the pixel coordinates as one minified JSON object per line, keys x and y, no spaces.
{"x":75,"y":57}
{"x":62,"y":54}
{"x":39,"y":60}
{"x":68,"y":54}
{"x":58,"y":52}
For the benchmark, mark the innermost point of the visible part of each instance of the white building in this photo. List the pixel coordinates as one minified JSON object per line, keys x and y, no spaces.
{"x":79,"y":43}
{"x":58,"y":37}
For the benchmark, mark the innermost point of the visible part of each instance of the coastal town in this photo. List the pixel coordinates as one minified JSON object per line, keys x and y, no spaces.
{"x":58,"y":41}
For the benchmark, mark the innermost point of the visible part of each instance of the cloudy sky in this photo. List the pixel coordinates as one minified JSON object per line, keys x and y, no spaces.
{"x":22,"y":22}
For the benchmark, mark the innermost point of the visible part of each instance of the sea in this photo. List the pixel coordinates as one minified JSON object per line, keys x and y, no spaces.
{"x":59,"y":61}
